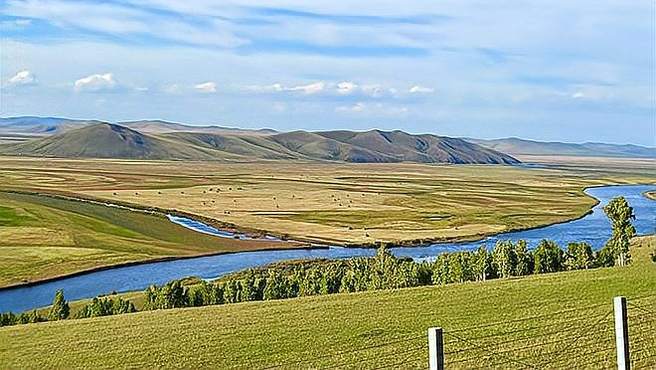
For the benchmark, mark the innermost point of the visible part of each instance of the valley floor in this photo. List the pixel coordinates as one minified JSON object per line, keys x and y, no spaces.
{"x":559,"y":320}
{"x":44,"y":237}
{"x":329,"y":202}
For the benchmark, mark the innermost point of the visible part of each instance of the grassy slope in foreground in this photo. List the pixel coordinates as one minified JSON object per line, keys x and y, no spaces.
{"x":255,"y":334}
{"x":42,"y":237}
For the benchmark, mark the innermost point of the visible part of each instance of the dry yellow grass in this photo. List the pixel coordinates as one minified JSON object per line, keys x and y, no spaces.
{"x":350,"y":203}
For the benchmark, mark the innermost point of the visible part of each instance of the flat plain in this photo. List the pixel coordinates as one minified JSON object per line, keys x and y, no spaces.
{"x":558,"y":320}
{"x":327,"y":202}
{"x":44,"y":237}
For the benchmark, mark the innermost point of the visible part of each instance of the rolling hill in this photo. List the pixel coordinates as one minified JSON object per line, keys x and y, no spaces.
{"x":516,"y":146}
{"x":105,"y":140}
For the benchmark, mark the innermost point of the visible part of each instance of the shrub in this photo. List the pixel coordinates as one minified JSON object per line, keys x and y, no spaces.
{"x":59,"y":309}
{"x":548,"y":257}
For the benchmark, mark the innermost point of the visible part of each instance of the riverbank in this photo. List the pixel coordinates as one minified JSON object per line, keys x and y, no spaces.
{"x":45,"y":237}
{"x":143,"y":262}
{"x":325,"y":330}
{"x":271,"y":245}
{"x":593,"y":229}
{"x":260,"y":233}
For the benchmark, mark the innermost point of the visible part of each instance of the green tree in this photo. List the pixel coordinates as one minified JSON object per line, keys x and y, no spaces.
{"x":482,"y":263}
{"x":524,"y":259}
{"x":232,"y":291}
{"x":441,"y":270}
{"x":579,"y":256}
{"x":548,"y":257}
{"x":620,"y":215}
{"x":171,"y":295}
{"x":330,"y":279}
{"x":382,"y":271}
{"x":8,"y":318}
{"x":504,"y":258}
{"x":59,"y":309}
{"x":251,"y":289}
{"x":121,"y":306}
{"x":276,"y":285}
{"x":460,"y":267}
{"x":311,"y":283}
{"x":30,"y":317}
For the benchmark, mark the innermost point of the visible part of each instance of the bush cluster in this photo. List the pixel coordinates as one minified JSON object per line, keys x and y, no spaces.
{"x":383,"y":271}
{"x":318,"y":277}
{"x":105,"y":307}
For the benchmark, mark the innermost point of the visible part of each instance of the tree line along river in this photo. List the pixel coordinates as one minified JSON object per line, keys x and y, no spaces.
{"x":594,"y":228}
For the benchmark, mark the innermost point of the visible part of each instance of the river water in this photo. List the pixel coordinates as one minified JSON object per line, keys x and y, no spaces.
{"x":593,"y":228}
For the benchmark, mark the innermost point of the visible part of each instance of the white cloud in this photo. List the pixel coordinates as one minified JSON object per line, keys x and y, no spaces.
{"x":372,"y":90}
{"x":24,"y":77}
{"x":343,"y":88}
{"x":206,"y":87}
{"x":309,"y":89}
{"x":418,"y":89}
{"x":346,"y":88}
{"x":265,"y":88}
{"x":96,"y":82}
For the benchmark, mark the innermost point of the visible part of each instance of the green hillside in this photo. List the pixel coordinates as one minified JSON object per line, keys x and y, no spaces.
{"x":43,"y":237}
{"x":560,"y":320}
{"x":106,"y":140}
{"x":253,"y":146}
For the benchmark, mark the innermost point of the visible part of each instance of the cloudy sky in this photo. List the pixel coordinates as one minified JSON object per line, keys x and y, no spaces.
{"x":550,"y":70}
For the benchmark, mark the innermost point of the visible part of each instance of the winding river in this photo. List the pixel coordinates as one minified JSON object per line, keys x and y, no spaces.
{"x":593,"y":228}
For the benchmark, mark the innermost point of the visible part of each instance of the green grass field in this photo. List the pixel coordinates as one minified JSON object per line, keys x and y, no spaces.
{"x":42,"y":237}
{"x":569,"y":326}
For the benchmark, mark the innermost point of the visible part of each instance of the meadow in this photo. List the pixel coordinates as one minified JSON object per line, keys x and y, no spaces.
{"x":543,"y":321}
{"x":341,"y":203}
{"x":44,"y":237}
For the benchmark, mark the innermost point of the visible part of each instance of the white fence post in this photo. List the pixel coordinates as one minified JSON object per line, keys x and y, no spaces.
{"x":621,"y":334}
{"x":435,"y":349}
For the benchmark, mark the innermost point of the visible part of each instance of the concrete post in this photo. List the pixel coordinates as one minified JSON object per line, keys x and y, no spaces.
{"x":621,"y":334}
{"x":435,"y":349}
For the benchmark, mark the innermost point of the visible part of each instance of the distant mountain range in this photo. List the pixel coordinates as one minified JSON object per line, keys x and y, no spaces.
{"x":44,"y":126}
{"x":156,"y":139}
{"x":515,"y":146}
{"x":165,"y":140}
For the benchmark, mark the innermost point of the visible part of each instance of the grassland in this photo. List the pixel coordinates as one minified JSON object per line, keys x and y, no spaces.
{"x":43,"y":237}
{"x":341,"y":203}
{"x":345,"y":203}
{"x":568,"y":325}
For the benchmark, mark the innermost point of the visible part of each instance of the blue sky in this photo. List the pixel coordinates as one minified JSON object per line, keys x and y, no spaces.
{"x":548,"y":70}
